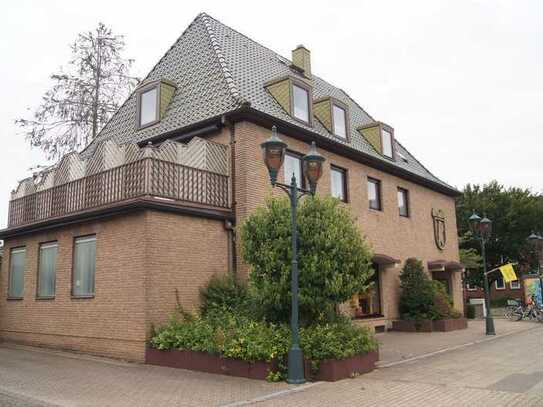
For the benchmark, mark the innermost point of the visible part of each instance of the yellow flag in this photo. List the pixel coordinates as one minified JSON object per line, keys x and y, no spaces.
{"x":508,"y":273}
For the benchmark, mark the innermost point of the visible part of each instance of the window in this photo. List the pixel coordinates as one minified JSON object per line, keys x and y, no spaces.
{"x":386,"y":141}
{"x":340,"y":121}
{"x":374,"y":193}
{"x":369,"y":302}
{"x":403,"y":202}
{"x":301,"y":103}
{"x":515,"y":285}
{"x":148,"y":107}
{"x":339,"y":183}
{"x":470,"y":287}
{"x":293,"y":166}
{"x":47,"y":270}
{"x":500,"y":284}
{"x":16,"y":273}
{"x":84,"y":266}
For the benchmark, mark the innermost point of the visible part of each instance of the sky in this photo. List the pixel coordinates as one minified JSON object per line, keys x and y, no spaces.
{"x":459,"y":81}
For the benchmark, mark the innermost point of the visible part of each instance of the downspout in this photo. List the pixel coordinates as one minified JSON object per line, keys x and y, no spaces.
{"x":230,"y":226}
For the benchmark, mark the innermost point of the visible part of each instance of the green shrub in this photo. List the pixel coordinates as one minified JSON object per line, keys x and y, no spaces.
{"x":417,"y":295}
{"x":442,"y":307}
{"x":234,"y":336}
{"x":223,"y":292}
{"x":334,"y":259}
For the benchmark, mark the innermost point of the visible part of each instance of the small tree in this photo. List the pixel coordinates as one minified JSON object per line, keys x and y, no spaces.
{"x":83,"y":96}
{"x":334,"y":259}
{"x":417,"y":297}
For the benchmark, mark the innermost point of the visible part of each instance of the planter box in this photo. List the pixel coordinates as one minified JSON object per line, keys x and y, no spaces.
{"x":423,"y":325}
{"x":445,"y":325}
{"x":205,"y":362}
{"x":426,"y":325}
{"x":331,"y":370}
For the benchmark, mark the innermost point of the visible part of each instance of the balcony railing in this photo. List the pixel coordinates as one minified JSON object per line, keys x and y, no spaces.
{"x":145,"y":177}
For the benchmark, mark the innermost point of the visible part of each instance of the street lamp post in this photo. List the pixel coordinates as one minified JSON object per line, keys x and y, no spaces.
{"x":273,"y":151}
{"x":537,"y":241}
{"x":482,"y":229}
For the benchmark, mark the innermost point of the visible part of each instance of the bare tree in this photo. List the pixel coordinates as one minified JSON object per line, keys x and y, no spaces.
{"x":84,"y":95}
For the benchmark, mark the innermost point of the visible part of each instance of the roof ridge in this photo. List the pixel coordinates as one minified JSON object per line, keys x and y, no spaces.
{"x":234,"y":91}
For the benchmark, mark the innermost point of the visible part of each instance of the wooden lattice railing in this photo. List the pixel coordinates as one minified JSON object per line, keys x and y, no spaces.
{"x":145,"y":177}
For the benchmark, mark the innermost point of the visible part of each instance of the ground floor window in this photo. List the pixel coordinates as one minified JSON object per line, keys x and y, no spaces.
{"x":84,"y":267}
{"x":47,"y":269}
{"x":16,"y":273}
{"x":369,"y":302}
{"x":500,"y":284}
{"x":515,"y":285}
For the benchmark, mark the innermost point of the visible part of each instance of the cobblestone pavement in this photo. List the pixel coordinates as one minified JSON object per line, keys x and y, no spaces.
{"x":506,"y":371}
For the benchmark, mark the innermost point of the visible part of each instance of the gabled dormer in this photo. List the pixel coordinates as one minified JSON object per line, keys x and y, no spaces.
{"x":294,"y":95}
{"x":334,"y":115}
{"x":152,"y":100}
{"x":381,"y":137}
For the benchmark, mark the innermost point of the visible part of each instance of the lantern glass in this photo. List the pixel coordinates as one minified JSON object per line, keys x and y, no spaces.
{"x":486,"y":227}
{"x":474,"y":221}
{"x":312,"y":165}
{"x":273,"y":151}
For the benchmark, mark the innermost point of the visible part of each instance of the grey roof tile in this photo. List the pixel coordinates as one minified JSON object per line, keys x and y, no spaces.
{"x":216,"y":69}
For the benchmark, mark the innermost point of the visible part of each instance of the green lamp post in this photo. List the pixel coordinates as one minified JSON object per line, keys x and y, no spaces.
{"x":273,"y":151}
{"x":482,"y":229}
{"x":537,"y":242}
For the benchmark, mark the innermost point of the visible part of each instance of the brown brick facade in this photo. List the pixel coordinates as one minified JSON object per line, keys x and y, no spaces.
{"x":146,"y":257}
{"x":141,"y":260}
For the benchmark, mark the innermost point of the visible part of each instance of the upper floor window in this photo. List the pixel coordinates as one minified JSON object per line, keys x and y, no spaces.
{"x":148,"y":106}
{"x":293,"y":166}
{"x":300,"y":100}
{"x":84,"y":267}
{"x":338,"y":178}
{"x":16,"y":272}
{"x":339,"y":116}
{"x":470,"y":287}
{"x":386,"y":141}
{"x":515,"y":285}
{"x":374,"y":193}
{"x":403,"y":202}
{"x":500,"y":284}
{"x":47,"y":270}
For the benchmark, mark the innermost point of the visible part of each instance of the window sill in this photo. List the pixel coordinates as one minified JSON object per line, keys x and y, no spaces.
{"x":15,"y":298}
{"x":83,"y":297}
{"x":45,"y":298}
{"x":369,"y":316}
{"x":379,"y":210}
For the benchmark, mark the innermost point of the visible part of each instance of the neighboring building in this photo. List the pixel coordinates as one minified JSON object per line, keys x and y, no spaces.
{"x":498,"y":289}
{"x":100,"y":248}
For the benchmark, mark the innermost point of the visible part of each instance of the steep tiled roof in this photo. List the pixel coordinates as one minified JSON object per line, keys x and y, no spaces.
{"x":216,"y":69}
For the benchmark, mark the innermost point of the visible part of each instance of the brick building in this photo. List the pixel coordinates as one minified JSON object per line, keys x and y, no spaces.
{"x":100,"y":247}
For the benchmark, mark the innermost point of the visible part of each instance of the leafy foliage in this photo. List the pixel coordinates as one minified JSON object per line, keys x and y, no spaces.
{"x":334,"y":259}
{"x":84,"y":95}
{"x":515,"y":213}
{"x":224,"y":292}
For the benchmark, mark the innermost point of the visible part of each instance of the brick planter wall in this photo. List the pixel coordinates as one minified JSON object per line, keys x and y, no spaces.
{"x":446,"y":325}
{"x":205,"y":362}
{"x":331,"y":370}
{"x":426,"y":325}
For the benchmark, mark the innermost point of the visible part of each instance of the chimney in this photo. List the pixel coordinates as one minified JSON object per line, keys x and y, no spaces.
{"x":301,"y":59}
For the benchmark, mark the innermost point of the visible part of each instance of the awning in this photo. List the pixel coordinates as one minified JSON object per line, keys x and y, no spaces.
{"x":384,"y":260}
{"x":444,"y":265}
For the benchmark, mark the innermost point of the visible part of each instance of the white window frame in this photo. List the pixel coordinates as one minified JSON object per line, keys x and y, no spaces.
{"x":496,"y":285}
{"x":308,"y":94}
{"x":470,"y":288}
{"x":517,"y":285}
{"x":391,"y":140}
{"x":140,"y":92}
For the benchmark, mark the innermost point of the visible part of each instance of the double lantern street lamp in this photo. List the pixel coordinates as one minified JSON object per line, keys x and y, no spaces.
{"x":537,"y":243}
{"x":482,"y":229}
{"x":273,"y":151}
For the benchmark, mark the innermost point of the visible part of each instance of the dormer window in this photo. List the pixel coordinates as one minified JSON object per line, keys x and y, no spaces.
{"x":300,"y":98}
{"x":386,"y":140}
{"x":148,"y":107}
{"x":153,"y":99}
{"x":339,"y":118}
